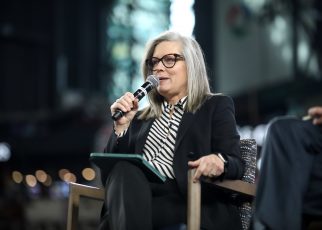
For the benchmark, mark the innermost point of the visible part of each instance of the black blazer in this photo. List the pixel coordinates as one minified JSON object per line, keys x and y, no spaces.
{"x":210,"y":129}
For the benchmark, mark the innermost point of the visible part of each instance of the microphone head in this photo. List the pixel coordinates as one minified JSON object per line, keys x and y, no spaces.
{"x":154,"y":80}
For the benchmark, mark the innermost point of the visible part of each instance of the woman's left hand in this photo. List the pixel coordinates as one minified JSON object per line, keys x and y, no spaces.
{"x":210,"y":166}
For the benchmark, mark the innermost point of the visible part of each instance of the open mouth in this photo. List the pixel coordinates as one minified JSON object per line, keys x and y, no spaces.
{"x":163,"y":78}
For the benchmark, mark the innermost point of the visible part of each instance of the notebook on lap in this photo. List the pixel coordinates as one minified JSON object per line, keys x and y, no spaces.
{"x":106,"y":161}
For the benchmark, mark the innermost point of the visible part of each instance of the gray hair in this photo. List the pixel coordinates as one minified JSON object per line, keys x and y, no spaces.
{"x":198,"y":85}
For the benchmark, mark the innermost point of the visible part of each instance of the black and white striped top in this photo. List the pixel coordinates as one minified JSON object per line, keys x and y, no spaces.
{"x":159,"y":146}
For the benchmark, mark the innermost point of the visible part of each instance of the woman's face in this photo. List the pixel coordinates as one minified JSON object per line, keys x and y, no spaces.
{"x":173,"y":81}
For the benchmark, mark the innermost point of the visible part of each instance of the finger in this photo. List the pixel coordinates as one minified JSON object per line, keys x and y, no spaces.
{"x":202,"y":170}
{"x":117,"y":105}
{"x":194,"y":164}
{"x":213,"y":173}
{"x":208,"y":173}
{"x":315,"y":111}
{"x":129,"y":98}
{"x":197,"y":175}
{"x":206,"y":164}
{"x":126,"y":103}
{"x":135,"y":104}
{"x":317,"y":121}
{"x":129,"y":95}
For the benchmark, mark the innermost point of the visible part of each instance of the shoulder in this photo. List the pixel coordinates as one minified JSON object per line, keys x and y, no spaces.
{"x":217,"y":103}
{"x":219,"y":98}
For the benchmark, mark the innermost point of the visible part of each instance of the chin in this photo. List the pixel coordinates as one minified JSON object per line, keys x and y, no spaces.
{"x":163,"y":93}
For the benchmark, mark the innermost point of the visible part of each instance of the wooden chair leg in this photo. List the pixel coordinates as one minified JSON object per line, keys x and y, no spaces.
{"x":75,"y":192}
{"x":73,"y":205}
{"x":194,"y":202}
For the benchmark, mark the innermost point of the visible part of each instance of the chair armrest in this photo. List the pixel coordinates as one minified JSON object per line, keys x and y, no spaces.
{"x":76,"y":191}
{"x":236,"y":186}
{"x":194,"y":195}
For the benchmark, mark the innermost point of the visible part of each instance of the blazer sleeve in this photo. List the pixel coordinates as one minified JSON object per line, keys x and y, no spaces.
{"x":127,"y":142}
{"x":225,"y":137}
{"x":116,"y":144}
{"x":122,"y":144}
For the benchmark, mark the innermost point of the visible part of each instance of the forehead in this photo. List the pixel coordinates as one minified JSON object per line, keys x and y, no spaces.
{"x":167,"y":47}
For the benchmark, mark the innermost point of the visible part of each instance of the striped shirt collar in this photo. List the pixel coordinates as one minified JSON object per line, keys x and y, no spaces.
{"x":180,"y":104}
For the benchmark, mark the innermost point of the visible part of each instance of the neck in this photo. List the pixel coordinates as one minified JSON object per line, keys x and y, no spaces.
{"x":174,"y":100}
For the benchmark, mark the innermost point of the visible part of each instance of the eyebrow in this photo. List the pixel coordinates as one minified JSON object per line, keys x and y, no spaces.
{"x":173,"y":53}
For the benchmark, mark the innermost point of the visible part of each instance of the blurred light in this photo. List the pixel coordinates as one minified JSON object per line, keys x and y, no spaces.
{"x":71,"y":99}
{"x":279,"y":30}
{"x":69,"y":177}
{"x":17,"y":177}
{"x":245,"y":132}
{"x":280,"y":23}
{"x":5,"y":151}
{"x":303,"y":51}
{"x":48,"y":181}
{"x":137,"y":52}
{"x":59,"y":189}
{"x":34,"y":191}
{"x":88,"y":174}
{"x":31,"y":180}
{"x":259,"y":134}
{"x":184,"y":25}
{"x":41,"y":176}
{"x":121,"y":50}
{"x":255,"y":5}
{"x":276,"y":36}
{"x":259,"y":163}
{"x":62,"y":172}
{"x":121,"y":12}
{"x":314,"y":67}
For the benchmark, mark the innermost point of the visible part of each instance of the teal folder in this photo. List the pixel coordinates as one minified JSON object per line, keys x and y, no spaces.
{"x":106,"y":161}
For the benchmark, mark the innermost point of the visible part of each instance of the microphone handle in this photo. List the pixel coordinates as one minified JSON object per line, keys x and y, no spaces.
{"x":117,"y":115}
{"x":139,"y":94}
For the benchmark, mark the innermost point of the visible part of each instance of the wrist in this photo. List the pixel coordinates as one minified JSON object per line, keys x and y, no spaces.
{"x":224,"y":159}
{"x":120,"y":130}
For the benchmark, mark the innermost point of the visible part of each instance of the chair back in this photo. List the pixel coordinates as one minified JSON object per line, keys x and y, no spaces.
{"x":248,"y":148}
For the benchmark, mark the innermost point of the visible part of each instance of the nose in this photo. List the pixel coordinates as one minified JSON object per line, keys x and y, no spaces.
{"x":159,"y":67}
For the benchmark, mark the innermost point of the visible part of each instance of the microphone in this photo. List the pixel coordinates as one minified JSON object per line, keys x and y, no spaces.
{"x":152,"y":81}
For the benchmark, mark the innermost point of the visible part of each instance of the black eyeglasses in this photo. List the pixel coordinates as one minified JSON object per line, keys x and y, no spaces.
{"x":168,"y":60}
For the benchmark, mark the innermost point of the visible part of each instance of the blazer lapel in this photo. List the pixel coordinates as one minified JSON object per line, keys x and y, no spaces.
{"x":142,"y":135}
{"x":186,"y":121}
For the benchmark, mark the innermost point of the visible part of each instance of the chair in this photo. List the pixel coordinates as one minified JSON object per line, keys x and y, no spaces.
{"x":243,"y":189}
{"x":76,"y":191}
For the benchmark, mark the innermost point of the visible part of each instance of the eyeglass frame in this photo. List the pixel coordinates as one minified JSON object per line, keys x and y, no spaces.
{"x":177,"y":57}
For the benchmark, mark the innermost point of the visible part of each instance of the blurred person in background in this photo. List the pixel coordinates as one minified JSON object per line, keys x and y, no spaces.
{"x":289,"y":193}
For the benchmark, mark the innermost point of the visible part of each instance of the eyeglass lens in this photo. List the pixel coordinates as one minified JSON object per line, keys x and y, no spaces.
{"x":168,"y":60}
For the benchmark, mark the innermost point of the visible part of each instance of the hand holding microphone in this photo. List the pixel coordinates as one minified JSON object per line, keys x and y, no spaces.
{"x":124,"y":108}
{"x":128,"y":104}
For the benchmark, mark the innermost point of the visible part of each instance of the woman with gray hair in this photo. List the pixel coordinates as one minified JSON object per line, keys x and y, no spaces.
{"x":183,"y":117}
